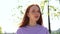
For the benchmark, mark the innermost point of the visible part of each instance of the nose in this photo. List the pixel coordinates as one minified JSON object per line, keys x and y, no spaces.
{"x":36,"y":13}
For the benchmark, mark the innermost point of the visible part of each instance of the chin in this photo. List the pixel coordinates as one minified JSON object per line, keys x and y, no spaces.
{"x":36,"y":19}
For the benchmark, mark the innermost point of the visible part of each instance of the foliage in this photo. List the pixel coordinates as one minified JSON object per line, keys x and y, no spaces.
{"x":0,"y":30}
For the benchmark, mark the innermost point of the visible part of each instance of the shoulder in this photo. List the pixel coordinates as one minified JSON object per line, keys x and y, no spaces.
{"x":19,"y":30}
{"x":45,"y":30}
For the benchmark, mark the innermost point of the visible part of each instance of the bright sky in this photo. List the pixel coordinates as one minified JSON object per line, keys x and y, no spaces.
{"x":9,"y":23}
{"x":6,"y":21}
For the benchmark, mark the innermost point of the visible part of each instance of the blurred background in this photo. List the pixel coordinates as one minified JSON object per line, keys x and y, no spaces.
{"x":12,"y":12}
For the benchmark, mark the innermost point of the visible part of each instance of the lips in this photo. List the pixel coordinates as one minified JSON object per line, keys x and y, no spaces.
{"x":36,"y":16}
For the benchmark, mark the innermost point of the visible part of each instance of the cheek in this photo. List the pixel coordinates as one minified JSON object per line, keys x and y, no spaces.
{"x":39,"y":14}
{"x":31,"y":15}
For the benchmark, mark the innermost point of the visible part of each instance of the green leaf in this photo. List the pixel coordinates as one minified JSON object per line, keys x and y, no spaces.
{"x":53,"y":8}
{"x":43,"y":4}
{"x":21,"y":12}
{"x":19,"y":7}
{"x":0,"y":30}
{"x":58,"y":12}
{"x":46,"y":1}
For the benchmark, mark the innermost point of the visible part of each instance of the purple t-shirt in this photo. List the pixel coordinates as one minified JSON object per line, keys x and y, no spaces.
{"x":38,"y":29}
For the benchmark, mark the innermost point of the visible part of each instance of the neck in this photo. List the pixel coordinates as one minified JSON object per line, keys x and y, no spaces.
{"x":32,"y":23}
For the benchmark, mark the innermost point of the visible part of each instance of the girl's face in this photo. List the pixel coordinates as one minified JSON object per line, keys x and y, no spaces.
{"x":34,"y":13}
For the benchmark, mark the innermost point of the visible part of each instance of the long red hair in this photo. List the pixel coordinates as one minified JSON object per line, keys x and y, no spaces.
{"x":25,"y":20}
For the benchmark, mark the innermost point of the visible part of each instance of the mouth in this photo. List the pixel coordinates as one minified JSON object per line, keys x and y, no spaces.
{"x":36,"y":16}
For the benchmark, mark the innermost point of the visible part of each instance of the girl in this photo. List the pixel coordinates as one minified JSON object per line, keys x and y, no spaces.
{"x":32,"y":22}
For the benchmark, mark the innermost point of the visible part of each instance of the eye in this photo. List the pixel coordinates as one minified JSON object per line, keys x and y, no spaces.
{"x":38,"y":11}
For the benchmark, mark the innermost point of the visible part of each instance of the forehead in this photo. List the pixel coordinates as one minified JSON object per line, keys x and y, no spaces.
{"x":34,"y":8}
